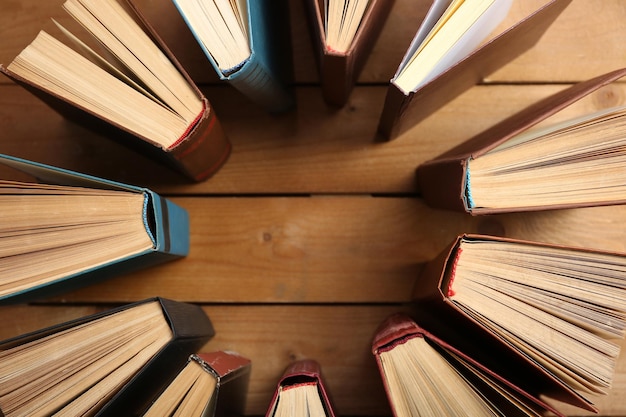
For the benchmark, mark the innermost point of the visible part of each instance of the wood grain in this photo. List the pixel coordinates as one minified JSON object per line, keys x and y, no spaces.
{"x":313,"y":233}
{"x":327,"y":249}
{"x":310,"y":151}
{"x":586,"y":40}
{"x":274,"y":335}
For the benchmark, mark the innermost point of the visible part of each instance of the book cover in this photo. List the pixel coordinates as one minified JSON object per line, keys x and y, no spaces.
{"x":199,"y":150}
{"x":404,"y":109}
{"x":302,"y":373}
{"x":531,"y":313}
{"x":189,"y":329}
{"x":339,"y":70}
{"x":266,"y":75}
{"x":210,"y":383}
{"x":166,"y":224}
{"x":401,"y":329}
{"x":445,"y":182}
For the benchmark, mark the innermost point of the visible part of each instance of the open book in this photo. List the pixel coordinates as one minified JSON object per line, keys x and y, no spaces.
{"x":343,"y":34}
{"x":68,"y":230}
{"x":520,"y":321}
{"x":301,"y":392}
{"x":113,"y":68}
{"x":426,"y":377}
{"x":450,"y":53}
{"x":108,"y":364}
{"x":248,"y":44}
{"x":519,"y":166}
{"x":210,"y":384}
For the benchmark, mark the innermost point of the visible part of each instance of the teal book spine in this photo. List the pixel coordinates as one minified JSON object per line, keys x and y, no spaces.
{"x":265,"y":77}
{"x":166,"y":223}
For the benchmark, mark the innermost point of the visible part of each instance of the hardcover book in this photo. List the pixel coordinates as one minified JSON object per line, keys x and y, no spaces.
{"x":118,"y":78}
{"x":512,"y":323}
{"x":518,"y":166}
{"x":108,"y":364}
{"x":248,"y":44}
{"x":301,"y":391}
{"x":343,"y":34}
{"x":210,"y":384}
{"x":69,"y":229}
{"x":449,"y":55}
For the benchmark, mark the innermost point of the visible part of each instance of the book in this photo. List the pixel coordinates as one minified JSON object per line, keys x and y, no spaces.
{"x":508,"y":325}
{"x":110,"y":363}
{"x":210,"y":384}
{"x":343,"y":33}
{"x":114,"y":75}
{"x":522,"y":165}
{"x":450,"y":53}
{"x":248,"y":44}
{"x":301,"y":391}
{"x":67,"y":230}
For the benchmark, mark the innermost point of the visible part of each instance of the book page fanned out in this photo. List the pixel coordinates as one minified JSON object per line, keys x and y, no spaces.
{"x":248,"y":43}
{"x":111,"y":363}
{"x":64,"y":230}
{"x":532,"y":320}
{"x":535,"y":160}
{"x":111,"y":73}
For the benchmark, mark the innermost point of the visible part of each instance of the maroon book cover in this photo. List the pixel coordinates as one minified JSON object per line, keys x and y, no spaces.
{"x":399,"y":328}
{"x":302,"y":372}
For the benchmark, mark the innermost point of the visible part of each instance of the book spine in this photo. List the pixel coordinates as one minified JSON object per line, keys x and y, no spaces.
{"x":255,"y":81}
{"x":203,"y":151}
{"x":442,"y":183}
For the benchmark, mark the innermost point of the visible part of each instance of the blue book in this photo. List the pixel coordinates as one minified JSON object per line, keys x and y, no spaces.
{"x":248,"y":47}
{"x":67,"y":230}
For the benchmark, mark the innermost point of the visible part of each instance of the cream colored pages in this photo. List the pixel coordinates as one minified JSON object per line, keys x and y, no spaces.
{"x":460,"y":29}
{"x":140,"y":89}
{"x":220,"y":28}
{"x":343,"y":19}
{"x":50,"y":232}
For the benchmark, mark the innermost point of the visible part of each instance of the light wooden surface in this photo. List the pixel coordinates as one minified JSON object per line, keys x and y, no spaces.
{"x":313,"y":233}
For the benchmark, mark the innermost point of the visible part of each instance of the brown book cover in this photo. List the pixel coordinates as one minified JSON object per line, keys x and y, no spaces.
{"x":340,"y":70}
{"x":302,"y":372}
{"x":442,"y":181}
{"x":198,"y":153}
{"x":437,"y":312}
{"x":400,"y":327}
{"x":402,"y":111}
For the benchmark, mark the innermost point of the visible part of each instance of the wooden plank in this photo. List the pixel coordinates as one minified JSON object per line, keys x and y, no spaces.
{"x":331,"y":249}
{"x":589,"y":31}
{"x":312,"y":150}
{"x":272,"y":336}
{"x":586,"y":40}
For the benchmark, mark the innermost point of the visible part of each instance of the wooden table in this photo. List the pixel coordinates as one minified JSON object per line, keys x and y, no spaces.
{"x":312,"y":233}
